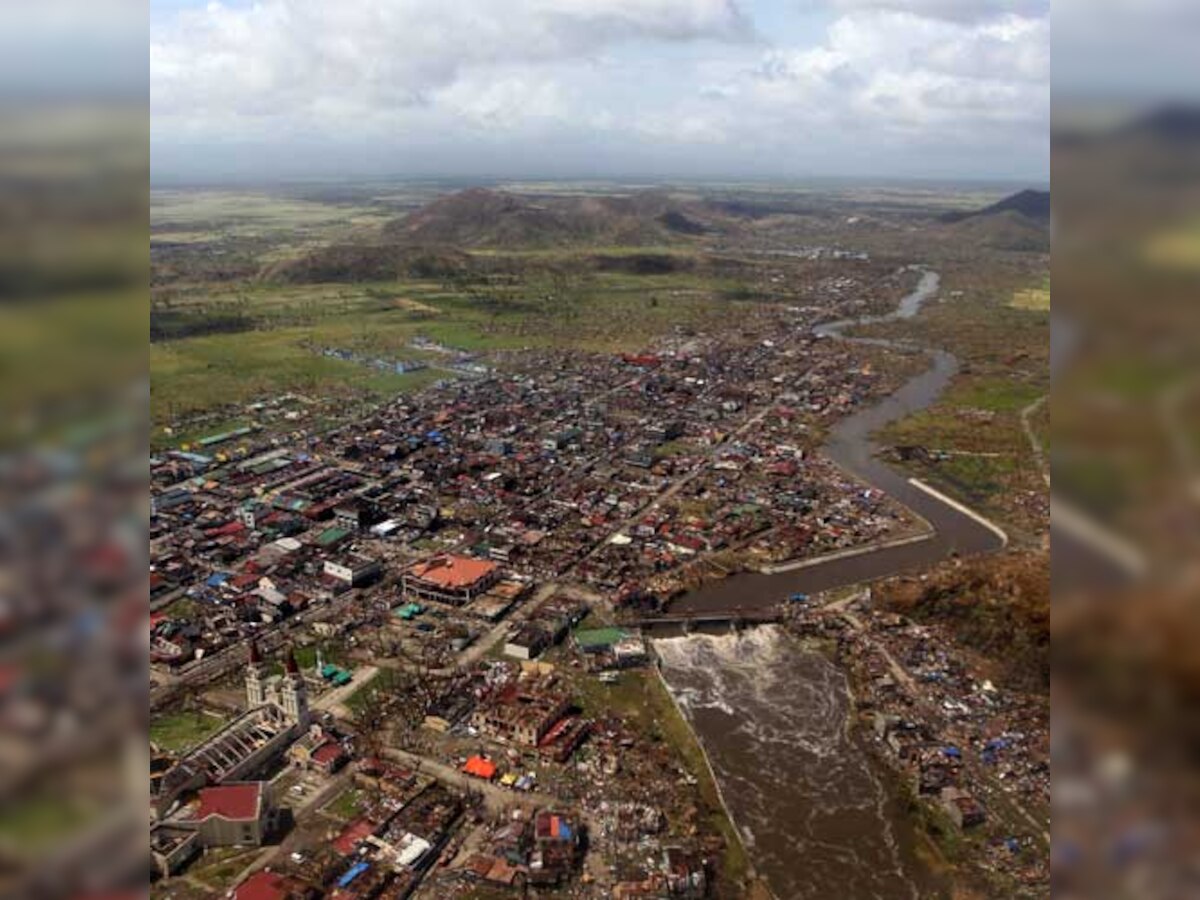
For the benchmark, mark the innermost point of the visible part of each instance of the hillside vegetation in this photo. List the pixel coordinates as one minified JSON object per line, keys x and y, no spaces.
{"x":998,"y":606}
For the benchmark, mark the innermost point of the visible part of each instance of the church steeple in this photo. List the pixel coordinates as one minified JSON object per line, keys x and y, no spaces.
{"x":255,"y":693}
{"x":294,"y":692}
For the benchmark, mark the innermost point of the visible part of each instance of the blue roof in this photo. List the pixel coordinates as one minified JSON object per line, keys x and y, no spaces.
{"x":216,"y":579}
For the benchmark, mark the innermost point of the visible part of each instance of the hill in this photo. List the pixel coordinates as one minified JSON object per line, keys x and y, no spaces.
{"x":1031,"y":204}
{"x":1008,"y":230}
{"x":484,"y":218}
{"x":1018,"y":223}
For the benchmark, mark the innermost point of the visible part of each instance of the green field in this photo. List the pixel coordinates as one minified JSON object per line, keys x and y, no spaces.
{"x":200,"y":216}
{"x":179,"y":731}
{"x":346,"y":805}
{"x":42,"y":820}
{"x":278,"y":352}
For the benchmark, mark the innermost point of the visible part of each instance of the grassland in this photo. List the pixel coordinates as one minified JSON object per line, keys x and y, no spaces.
{"x":283,"y":328}
{"x":1032,"y":299}
{"x":178,"y":731}
{"x":200,"y":216}
{"x":346,"y":805}
{"x":1177,"y":249}
{"x":42,"y":820}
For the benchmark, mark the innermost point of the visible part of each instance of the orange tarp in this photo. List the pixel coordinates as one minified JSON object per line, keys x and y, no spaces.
{"x":480,"y":768}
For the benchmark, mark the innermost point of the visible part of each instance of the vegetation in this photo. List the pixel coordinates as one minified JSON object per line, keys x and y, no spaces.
{"x":346,"y":805}
{"x":40,"y":820}
{"x":179,"y":731}
{"x":997,"y":605}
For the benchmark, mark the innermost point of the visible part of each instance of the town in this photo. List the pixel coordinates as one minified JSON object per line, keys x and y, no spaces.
{"x":401,"y":655}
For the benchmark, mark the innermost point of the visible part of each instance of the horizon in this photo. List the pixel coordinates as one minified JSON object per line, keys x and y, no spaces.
{"x":515,"y":184}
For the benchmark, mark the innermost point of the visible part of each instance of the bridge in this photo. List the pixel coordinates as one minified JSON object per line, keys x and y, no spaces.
{"x":736,"y":618}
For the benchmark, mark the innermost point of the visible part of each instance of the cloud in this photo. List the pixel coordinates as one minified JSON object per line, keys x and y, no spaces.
{"x":947,"y":10}
{"x":608,"y":86}
{"x":897,"y":75}
{"x":282,"y":57}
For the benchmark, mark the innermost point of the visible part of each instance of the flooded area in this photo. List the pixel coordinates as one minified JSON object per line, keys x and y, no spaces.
{"x":773,"y":716}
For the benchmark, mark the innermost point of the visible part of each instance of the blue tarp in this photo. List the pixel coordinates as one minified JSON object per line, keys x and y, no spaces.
{"x":216,"y":579}
{"x":355,"y":870}
{"x":953,"y":752}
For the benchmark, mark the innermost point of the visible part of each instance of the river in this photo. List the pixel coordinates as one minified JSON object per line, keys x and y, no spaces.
{"x":849,"y":445}
{"x":815,"y":817}
{"x":774,"y":716}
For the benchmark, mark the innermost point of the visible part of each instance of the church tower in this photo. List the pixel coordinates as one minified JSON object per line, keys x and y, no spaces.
{"x":294,"y":693}
{"x":255,"y":695}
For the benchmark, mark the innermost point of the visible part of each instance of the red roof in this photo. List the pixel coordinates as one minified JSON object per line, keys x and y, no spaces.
{"x":263,"y":886}
{"x":351,"y":835}
{"x":230,"y":801}
{"x":454,"y":571}
{"x":234,"y":527}
{"x":328,"y":752}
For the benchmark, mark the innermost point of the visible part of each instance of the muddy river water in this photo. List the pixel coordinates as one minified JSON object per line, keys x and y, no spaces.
{"x":813,"y":813}
{"x":773,"y":716}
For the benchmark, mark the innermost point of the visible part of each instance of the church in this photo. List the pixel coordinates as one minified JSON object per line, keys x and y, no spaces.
{"x":276,"y":715}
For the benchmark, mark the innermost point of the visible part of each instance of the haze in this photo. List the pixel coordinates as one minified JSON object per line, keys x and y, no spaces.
{"x":601,"y":88}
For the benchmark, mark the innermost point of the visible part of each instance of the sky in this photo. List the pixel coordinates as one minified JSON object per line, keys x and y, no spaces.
{"x":773,"y":89}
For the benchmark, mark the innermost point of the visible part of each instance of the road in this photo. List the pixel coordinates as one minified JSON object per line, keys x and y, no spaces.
{"x":1035,"y":443}
{"x":498,"y":799}
{"x":334,"y":700}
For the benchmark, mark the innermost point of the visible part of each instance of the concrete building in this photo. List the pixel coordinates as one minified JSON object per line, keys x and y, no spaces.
{"x":450,"y":579}
{"x":353,"y":568}
{"x":520,"y":713}
{"x":277,"y":714}
{"x":234,"y":814}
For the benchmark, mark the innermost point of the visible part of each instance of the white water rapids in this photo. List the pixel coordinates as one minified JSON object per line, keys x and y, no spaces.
{"x":773,"y":718}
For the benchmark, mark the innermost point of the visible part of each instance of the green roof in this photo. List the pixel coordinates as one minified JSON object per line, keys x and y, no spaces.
{"x":332,"y":536}
{"x":599,"y":637}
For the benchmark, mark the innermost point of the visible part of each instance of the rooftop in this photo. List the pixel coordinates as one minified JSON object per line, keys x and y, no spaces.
{"x":230,"y":801}
{"x":453,"y":571}
{"x":263,"y":886}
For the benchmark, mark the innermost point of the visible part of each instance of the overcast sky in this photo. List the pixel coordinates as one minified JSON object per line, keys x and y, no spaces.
{"x":566,"y":88}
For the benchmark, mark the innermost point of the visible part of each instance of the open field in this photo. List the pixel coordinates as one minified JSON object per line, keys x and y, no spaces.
{"x":1033,"y":299}
{"x":1177,"y":249}
{"x":179,"y":731}
{"x":200,"y":215}
{"x":278,"y":332}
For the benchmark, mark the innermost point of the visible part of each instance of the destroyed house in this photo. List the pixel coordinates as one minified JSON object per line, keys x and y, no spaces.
{"x":520,"y":714}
